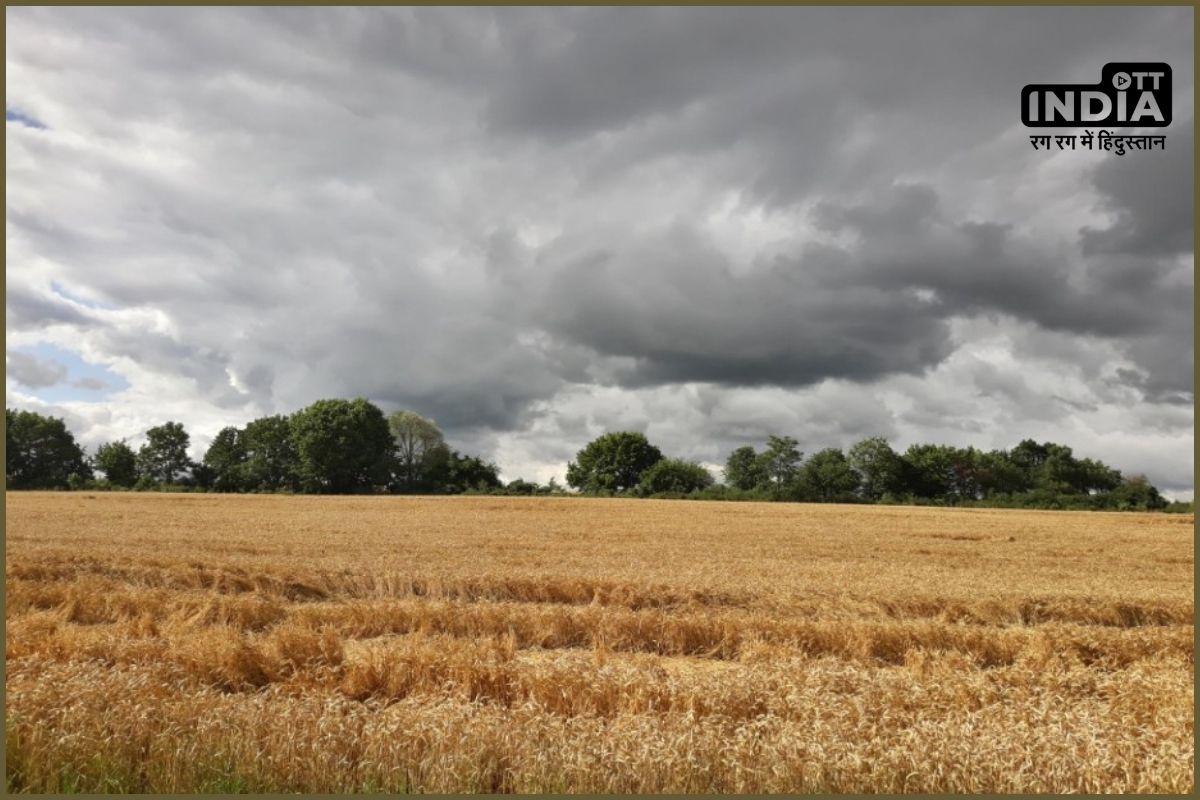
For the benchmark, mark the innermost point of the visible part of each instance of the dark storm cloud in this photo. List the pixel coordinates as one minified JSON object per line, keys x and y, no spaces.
{"x":906,"y":241}
{"x":874,"y":308}
{"x":675,"y":306}
{"x":784,"y":94}
{"x":1153,"y":201}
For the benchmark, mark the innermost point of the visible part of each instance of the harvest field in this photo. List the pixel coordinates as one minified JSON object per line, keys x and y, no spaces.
{"x":181,"y":643}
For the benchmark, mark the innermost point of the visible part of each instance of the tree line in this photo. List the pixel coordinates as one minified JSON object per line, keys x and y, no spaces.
{"x":329,"y":447}
{"x":1030,"y":475}
{"x":350,"y":446}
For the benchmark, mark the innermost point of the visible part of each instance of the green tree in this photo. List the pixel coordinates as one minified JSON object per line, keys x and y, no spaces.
{"x":1136,"y":493}
{"x":929,"y":471}
{"x":674,"y":476}
{"x":968,"y":473}
{"x":272,"y":462}
{"x":1094,"y":477}
{"x":118,"y":462}
{"x":1029,"y":456}
{"x":828,"y":477}
{"x":999,"y":474}
{"x":521,"y":487}
{"x":612,"y":463}
{"x":417,"y":442}
{"x":342,"y":446}
{"x":452,"y":473}
{"x":163,"y":458}
{"x":40,"y":453}
{"x":780,"y":462}
{"x":879,"y":466}
{"x":743,"y":470}
{"x":225,"y":461}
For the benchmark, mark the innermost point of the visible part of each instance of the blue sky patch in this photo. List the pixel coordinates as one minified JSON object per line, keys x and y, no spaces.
{"x":20,"y":118}
{"x":67,"y":294}
{"x":74,"y":379}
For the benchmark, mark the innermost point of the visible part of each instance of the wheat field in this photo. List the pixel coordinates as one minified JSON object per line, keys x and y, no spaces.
{"x":190,"y":643}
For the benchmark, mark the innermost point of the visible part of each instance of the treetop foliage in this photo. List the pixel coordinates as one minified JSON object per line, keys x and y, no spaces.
{"x":612,"y":463}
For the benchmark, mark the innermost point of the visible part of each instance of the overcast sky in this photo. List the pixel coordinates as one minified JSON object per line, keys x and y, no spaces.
{"x":537,"y":225}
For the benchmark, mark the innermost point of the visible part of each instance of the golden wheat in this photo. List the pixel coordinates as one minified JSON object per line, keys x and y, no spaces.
{"x":204,"y":643}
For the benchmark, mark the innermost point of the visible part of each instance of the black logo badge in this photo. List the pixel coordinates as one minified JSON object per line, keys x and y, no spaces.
{"x":1134,"y":94}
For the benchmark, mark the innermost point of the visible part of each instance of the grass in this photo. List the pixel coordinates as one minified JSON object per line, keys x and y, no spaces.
{"x":330,"y":645}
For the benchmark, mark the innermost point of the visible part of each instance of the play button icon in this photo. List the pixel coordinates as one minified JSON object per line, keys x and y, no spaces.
{"x":1121,"y":80}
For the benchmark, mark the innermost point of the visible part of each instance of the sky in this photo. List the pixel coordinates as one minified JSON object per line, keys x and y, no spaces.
{"x":538,"y":225}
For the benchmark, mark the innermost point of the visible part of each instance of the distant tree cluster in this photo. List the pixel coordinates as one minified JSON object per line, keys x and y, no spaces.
{"x":330,"y":447}
{"x":350,"y":446}
{"x":1030,"y":475}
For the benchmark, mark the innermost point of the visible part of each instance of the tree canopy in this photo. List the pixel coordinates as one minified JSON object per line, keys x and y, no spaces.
{"x":40,"y":453}
{"x":164,"y":457}
{"x":674,"y":476}
{"x":420,"y":449}
{"x":342,"y":446}
{"x":612,"y":463}
{"x":118,"y":462}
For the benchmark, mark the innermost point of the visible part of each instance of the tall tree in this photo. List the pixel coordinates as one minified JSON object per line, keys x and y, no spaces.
{"x":929,"y":471}
{"x":225,"y":461}
{"x":40,"y":452}
{"x":118,"y":462}
{"x":164,"y":458}
{"x":272,"y":462}
{"x":828,"y":477}
{"x":878,"y":465}
{"x":743,"y":469}
{"x":343,"y":446}
{"x":417,"y":439}
{"x":780,"y":462}
{"x":612,"y":463}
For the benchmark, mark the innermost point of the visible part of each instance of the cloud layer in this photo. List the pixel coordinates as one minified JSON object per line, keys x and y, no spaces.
{"x":538,"y":224}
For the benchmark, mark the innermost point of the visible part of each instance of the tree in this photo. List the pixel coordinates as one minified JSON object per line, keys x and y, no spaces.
{"x":780,"y":462}
{"x":998,"y":474}
{"x":417,"y":439}
{"x":612,"y":463}
{"x":1094,"y":477}
{"x":674,"y":476}
{"x":41,"y":453}
{"x":968,"y":473}
{"x":225,"y":461}
{"x":342,"y":446}
{"x":1136,"y":493}
{"x":271,"y":457}
{"x":453,"y":473}
{"x":520,"y":486}
{"x":829,"y":477}
{"x":878,"y":465}
{"x":929,"y":471}
{"x":1029,"y":456}
{"x":743,"y":469}
{"x":118,"y":462}
{"x":163,"y":458}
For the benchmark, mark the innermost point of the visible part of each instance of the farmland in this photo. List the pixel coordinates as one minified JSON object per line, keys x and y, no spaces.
{"x":181,"y":643}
